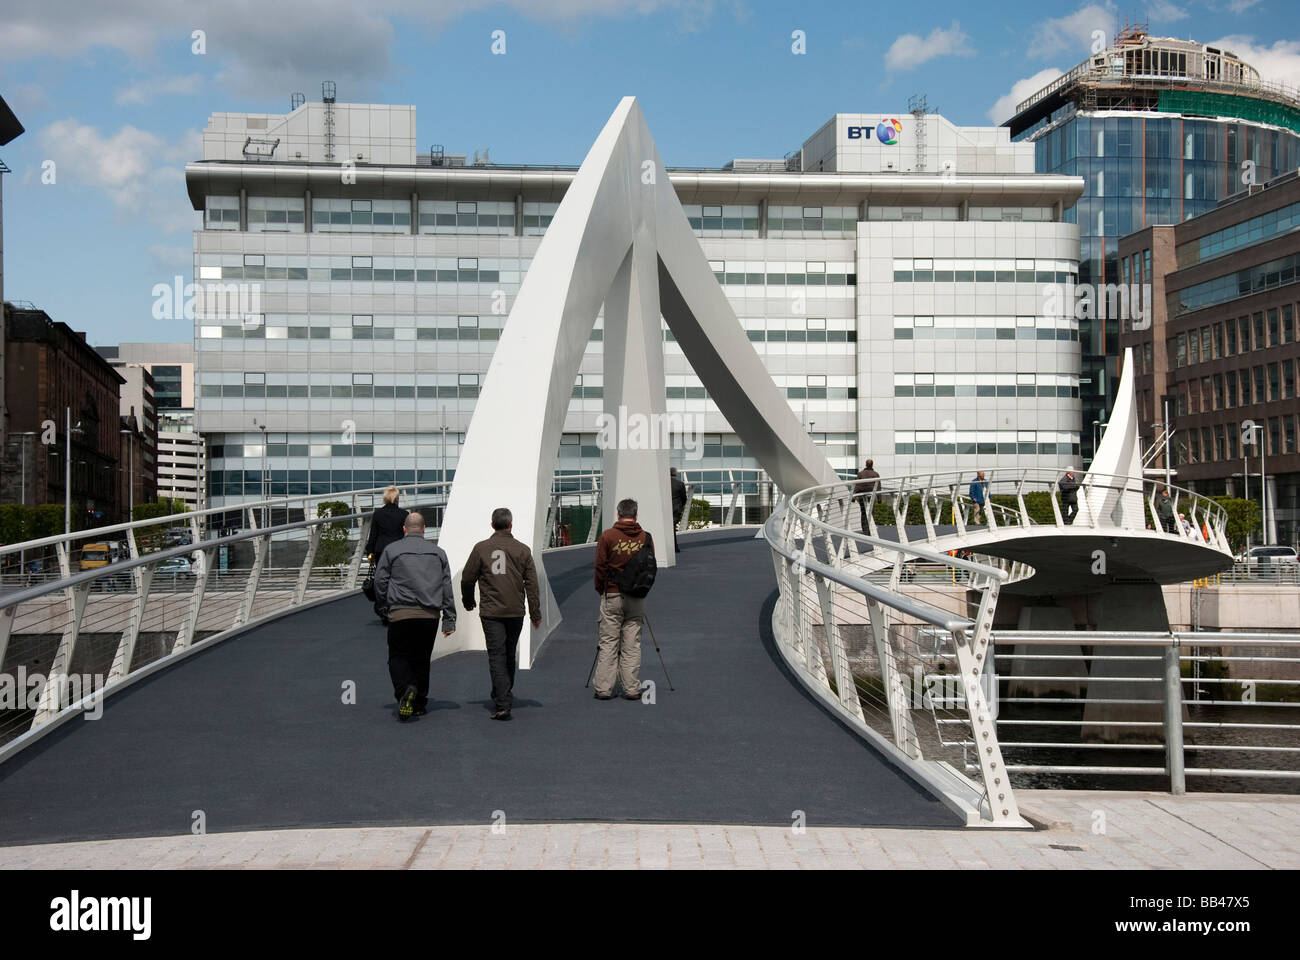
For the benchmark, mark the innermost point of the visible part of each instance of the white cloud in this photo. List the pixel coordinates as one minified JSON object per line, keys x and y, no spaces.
{"x":1279,"y":63}
{"x":144,"y":91}
{"x":1072,"y":34}
{"x":1166,"y":11}
{"x":1005,"y":106}
{"x":176,"y":258}
{"x":299,"y":41}
{"x":911,"y":50}
{"x":1241,"y":6}
{"x":141,"y":172}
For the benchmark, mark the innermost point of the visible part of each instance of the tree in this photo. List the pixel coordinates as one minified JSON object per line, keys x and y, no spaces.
{"x":333,"y":548}
{"x":1243,"y":519}
{"x":153,"y":537}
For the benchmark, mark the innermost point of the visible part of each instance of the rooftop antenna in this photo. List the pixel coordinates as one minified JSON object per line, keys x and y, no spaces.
{"x":917,"y":106}
{"x":327,"y":97}
{"x":296,"y":100}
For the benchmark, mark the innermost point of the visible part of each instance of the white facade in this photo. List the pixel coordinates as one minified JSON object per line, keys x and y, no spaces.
{"x":382,"y":300}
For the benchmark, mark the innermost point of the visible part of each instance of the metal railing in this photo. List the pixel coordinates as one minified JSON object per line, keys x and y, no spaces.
{"x":1031,"y":498}
{"x":871,"y":650}
{"x":1157,"y":705}
{"x":897,"y":636}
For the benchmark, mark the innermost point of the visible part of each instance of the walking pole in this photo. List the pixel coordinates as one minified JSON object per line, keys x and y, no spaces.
{"x":657,"y":650}
{"x":592,"y":672}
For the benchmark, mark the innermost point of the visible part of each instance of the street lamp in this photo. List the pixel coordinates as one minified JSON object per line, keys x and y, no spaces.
{"x":264,"y":477}
{"x":130,"y":472}
{"x":67,"y":471}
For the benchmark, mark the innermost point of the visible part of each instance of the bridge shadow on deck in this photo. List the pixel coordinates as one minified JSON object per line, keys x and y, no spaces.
{"x":254,"y":732}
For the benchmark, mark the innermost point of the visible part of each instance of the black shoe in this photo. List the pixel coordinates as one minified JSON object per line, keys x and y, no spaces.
{"x":406,"y":706}
{"x":604,"y":696}
{"x":631,"y":696}
{"x":501,"y":715}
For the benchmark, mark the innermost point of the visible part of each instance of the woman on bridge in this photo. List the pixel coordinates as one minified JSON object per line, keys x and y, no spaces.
{"x":385,"y":528}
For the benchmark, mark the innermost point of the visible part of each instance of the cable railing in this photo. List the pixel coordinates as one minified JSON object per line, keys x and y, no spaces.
{"x":886,"y":603}
{"x":1159,"y":706}
{"x":890,"y":659}
{"x":938,"y":506}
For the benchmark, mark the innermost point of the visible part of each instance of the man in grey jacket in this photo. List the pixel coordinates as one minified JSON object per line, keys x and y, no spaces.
{"x":413,"y":580}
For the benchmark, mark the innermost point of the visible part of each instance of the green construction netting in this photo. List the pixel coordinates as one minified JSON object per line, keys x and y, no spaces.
{"x":1229,"y":105}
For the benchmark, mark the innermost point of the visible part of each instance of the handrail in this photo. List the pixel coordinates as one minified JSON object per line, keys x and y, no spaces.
{"x":929,"y":614}
{"x":121,"y":567}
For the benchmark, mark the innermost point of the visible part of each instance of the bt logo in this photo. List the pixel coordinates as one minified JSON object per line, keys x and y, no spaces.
{"x":886,"y":132}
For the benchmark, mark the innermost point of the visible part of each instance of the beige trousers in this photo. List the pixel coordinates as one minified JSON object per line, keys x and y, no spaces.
{"x":619,"y":656}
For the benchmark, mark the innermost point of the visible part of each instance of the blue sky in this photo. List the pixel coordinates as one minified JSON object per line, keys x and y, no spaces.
{"x":114,"y":95}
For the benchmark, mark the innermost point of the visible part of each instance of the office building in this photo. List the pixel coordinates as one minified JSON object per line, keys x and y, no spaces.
{"x":1224,"y":347}
{"x":891,"y":273}
{"x":180,"y":451}
{"x":1160,"y":130}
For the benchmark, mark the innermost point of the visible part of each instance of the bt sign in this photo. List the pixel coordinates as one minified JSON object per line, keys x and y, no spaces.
{"x":886,"y":131}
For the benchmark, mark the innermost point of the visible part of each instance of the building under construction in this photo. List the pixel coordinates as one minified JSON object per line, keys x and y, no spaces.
{"x":1160,"y":130}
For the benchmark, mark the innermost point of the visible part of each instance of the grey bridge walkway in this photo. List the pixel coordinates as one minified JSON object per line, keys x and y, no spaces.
{"x":255,"y":734}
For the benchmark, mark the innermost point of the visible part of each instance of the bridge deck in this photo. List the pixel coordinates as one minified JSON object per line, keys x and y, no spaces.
{"x":254,"y":732}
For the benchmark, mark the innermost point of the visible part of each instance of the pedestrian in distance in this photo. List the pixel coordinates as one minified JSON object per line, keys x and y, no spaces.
{"x":1165,"y":510}
{"x":386,"y":526}
{"x":679,"y":503}
{"x":506,"y":577}
{"x":869,"y":482}
{"x":619,"y":560}
{"x":413,"y":581}
{"x":979,"y":488}
{"x":1069,"y":488}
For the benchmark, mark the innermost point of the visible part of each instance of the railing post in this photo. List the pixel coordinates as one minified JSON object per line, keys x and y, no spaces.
{"x":900,"y":714}
{"x":300,"y":591}
{"x":845,"y":688}
{"x":254,"y":578}
{"x":930,"y":534}
{"x":52,"y":694}
{"x":354,"y":565}
{"x":189,"y":626}
{"x":126,"y":646}
{"x":971,"y":649}
{"x":1174,"y":719}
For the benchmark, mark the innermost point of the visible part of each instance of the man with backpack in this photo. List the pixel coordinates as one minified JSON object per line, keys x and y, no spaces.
{"x":624,"y":572}
{"x":506,"y":576}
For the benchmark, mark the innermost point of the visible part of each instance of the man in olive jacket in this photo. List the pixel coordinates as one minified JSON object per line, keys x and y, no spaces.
{"x":506,"y":577}
{"x":413,"y":580}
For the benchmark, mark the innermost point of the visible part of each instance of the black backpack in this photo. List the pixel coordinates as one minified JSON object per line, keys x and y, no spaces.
{"x":638,"y":574}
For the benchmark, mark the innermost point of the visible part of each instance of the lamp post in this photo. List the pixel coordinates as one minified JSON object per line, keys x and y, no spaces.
{"x":67,"y":470}
{"x":263,"y":476}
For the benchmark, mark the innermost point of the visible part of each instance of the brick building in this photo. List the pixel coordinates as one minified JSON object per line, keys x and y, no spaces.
{"x":50,"y":371}
{"x":1224,"y":345}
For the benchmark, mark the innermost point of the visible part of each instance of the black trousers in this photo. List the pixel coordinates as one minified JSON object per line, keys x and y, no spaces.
{"x":862,"y":509}
{"x":501,"y":635}
{"x":410,"y":646}
{"x":1071,"y":510}
{"x":677,"y":519}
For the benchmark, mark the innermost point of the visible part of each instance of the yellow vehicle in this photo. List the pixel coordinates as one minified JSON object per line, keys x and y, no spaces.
{"x":96,"y":555}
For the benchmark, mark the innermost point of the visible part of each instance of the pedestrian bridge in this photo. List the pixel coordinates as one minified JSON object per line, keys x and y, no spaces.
{"x":263,"y":700}
{"x":258,"y":731}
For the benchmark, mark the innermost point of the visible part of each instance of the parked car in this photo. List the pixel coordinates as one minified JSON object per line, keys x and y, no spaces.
{"x":1270,"y":563}
{"x":176,"y":565}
